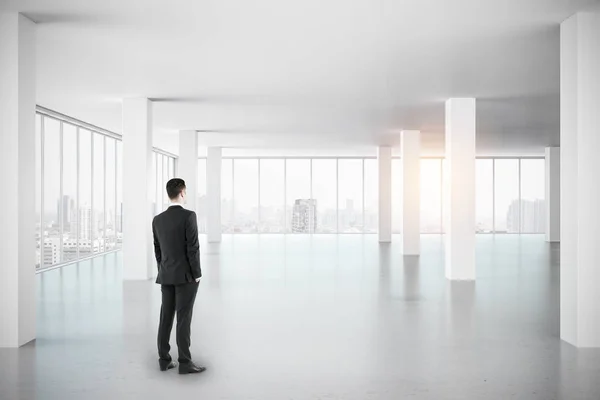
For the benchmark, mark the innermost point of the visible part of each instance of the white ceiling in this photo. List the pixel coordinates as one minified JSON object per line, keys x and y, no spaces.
{"x":307,"y":73}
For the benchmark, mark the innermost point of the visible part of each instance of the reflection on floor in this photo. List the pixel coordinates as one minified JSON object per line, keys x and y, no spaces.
{"x":327,"y":317}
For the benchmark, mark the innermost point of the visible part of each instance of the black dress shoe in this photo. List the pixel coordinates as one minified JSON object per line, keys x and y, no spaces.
{"x":190,"y":368}
{"x":166,"y":366}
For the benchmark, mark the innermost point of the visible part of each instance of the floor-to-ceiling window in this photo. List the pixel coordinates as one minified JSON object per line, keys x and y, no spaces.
{"x":371,"y":196}
{"x":340,"y":195}
{"x":39,"y":237}
{"x":160,"y":189}
{"x":324,"y":177}
{"x":245,"y":196}
{"x":227,"y":196}
{"x":201,"y":201}
{"x":119,"y":202}
{"x":297,"y":195}
{"x":78,"y":189}
{"x":68,"y":206}
{"x":154,"y":187}
{"x":533,"y":204}
{"x":84,"y":214}
{"x":51,"y":185}
{"x":272,"y":196}
{"x":164,"y":168}
{"x":301,"y":214}
{"x":110,"y":194}
{"x":98,"y":189}
{"x":510,"y":195}
{"x":350,"y":197}
{"x":484,"y":196}
{"x":506,"y":196}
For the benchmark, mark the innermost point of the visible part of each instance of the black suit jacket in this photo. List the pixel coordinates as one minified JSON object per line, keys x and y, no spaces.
{"x":176,"y":246}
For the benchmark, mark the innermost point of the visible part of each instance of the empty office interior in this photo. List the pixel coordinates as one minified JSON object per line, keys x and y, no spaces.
{"x":394,"y":199}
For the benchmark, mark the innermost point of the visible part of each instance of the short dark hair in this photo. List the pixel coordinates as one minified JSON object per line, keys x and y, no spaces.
{"x":174,"y":188}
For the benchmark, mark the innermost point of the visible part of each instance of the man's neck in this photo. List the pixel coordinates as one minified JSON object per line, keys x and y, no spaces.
{"x":176,"y":203}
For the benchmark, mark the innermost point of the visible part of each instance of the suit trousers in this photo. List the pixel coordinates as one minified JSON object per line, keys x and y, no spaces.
{"x":176,"y":299}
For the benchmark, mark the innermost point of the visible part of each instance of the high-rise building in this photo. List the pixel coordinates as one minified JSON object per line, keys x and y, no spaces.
{"x":533,"y":216}
{"x":526,"y":216}
{"x":350,"y":205}
{"x":304,"y":217}
{"x":51,"y":251}
{"x":85,"y":222}
{"x":65,"y":210}
{"x":328,"y":221}
{"x":88,"y":247}
{"x":512,"y":217}
{"x":69,"y":249}
{"x":99,"y":224}
{"x":348,"y":218}
{"x":73,"y":226}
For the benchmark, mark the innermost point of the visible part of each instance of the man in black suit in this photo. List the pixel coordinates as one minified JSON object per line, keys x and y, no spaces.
{"x":178,"y":256}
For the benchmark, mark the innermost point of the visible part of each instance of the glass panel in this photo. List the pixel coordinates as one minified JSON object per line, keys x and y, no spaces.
{"x":227,"y":196}
{"x":165,"y":179}
{"x":69,"y":200}
{"x":371,"y":196}
{"x":160,"y":189}
{"x":396,"y":195}
{"x":507,"y":196}
{"x":111,"y":235}
{"x":119,"y":193}
{"x":301,"y":210}
{"x":171,"y":171}
{"x":85,"y":193}
{"x":201,"y":202}
{"x":154,"y":185}
{"x":350,"y":191}
{"x":51,"y":192}
{"x":272,"y":196}
{"x":431,"y":196}
{"x":245,"y":194}
{"x":38,"y":191}
{"x":98,"y":190}
{"x":533,"y":205}
{"x":484,"y":196}
{"x":324,"y":175}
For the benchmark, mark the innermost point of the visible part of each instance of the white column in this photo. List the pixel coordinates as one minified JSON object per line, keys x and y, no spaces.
{"x":552,"y":194}
{"x":460,"y":187}
{"x":188,"y":166}
{"x":17,"y":180}
{"x":138,"y":252}
{"x":411,"y":192}
{"x":580,"y":188}
{"x":385,"y":194}
{"x":213,"y":194}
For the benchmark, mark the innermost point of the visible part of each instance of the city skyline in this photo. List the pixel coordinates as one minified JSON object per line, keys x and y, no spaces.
{"x":272,"y":193}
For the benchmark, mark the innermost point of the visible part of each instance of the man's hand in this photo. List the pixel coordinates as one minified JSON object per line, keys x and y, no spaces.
{"x":197,"y":280}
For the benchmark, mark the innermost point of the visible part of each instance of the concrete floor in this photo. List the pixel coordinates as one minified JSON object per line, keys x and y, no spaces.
{"x":332,"y":317}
